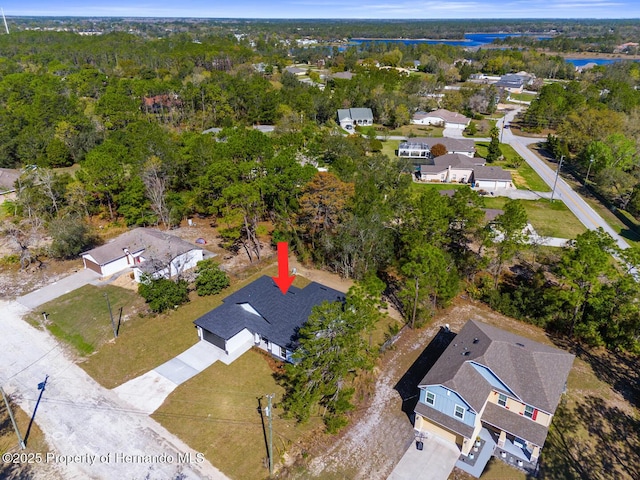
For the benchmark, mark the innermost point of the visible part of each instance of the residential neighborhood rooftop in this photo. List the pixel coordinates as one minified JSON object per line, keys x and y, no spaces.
{"x":536,"y":373}
{"x":261,"y":307}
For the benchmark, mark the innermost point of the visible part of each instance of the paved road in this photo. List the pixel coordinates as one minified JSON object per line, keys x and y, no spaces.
{"x":564,"y":192}
{"x":80,"y":417}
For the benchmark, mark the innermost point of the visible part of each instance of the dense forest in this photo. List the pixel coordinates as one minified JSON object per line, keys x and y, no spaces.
{"x":126,"y":114}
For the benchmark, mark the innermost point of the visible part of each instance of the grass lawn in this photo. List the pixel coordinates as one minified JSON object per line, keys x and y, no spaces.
{"x":523,"y":97}
{"x":218,"y":413}
{"x":549,"y":219}
{"x":81,"y":317}
{"x":524,"y":176}
{"x":420,"y":187}
{"x":389,"y":148}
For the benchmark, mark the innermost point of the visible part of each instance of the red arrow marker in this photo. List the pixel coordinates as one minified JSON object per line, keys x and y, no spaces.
{"x":283,"y":280}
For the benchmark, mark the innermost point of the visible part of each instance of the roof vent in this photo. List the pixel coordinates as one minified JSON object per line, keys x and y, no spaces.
{"x":475,"y":340}
{"x":520,"y":344}
{"x":466,"y":353}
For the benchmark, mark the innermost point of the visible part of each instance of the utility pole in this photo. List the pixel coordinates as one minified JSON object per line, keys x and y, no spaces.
{"x":269,"y":413}
{"x":586,"y":179}
{"x":556,"y":180}
{"x":113,"y":324}
{"x":13,"y":420}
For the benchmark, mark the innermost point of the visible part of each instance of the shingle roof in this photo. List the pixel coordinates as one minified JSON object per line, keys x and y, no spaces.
{"x":279,"y":317}
{"x":514,"y":424}
{"x":458,"y":160}
{"x":445,"y":420}
{"x":491,"y":173}
{"x":156,"y":245}
{"x":535,"y":372}
{"x":447,"y":116}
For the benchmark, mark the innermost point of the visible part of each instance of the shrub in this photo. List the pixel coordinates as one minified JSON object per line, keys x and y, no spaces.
{"x":162,"y":293}
{"x":209,"y":278}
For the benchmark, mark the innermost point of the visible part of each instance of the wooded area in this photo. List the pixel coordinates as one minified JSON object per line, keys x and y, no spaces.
{"x":126,"y":114}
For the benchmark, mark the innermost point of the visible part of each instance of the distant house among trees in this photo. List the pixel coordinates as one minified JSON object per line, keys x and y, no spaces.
{"x":260,"y":315}
{"x":349,"y":118}
{"x":143,"y":251}
{"x":161,"y":103}
{"x":441,"y":117}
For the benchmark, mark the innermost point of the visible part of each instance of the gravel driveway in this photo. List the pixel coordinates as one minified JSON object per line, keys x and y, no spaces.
{"x":91,"y":432}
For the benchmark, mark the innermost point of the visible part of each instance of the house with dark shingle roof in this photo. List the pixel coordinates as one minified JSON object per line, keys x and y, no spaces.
{"x":450,"y":168}
{"x":260,"y":315}
{"x":491,"y":178}
{"x":493,"y":391}
{"x":143,"y":250}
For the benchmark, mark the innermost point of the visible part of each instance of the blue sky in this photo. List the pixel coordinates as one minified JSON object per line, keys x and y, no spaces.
{"x":379,"y":9}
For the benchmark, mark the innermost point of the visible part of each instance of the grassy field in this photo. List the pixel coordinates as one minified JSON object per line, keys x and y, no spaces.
{"x":549,"y":219}
{"x":218,"y":413}
{"x":151,"y":340}
{"x":81,"y":317}
{"x":389,"y":148}
{"x":523,"y":97}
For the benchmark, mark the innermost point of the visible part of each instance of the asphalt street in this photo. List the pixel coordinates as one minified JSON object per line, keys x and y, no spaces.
{"x":578,"y":206}
{"x":92,"y":433}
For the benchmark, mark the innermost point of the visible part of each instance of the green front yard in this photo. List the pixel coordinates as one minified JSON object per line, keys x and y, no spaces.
{"x":218,"y":413}
{"x":549,"y":219}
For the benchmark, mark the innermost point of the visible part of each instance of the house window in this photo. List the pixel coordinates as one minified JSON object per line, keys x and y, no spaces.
{"x":431,"y":398}
{"x":283,"y":352}
{"x":530,"y":412}
{"x":458,"y":411}
{"x":502,"y":400}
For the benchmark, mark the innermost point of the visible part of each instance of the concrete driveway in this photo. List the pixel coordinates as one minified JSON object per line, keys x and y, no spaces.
{"x":434,"y":462}
{"x":148,"y":391}
{"x":58,"y":288}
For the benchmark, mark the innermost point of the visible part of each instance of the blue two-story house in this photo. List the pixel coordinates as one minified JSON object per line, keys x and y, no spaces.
{"x":495,"y":389}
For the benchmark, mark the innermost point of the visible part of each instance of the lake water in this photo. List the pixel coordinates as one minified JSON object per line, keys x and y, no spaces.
{"x":470,"y":39}
{"x":581,"y":62}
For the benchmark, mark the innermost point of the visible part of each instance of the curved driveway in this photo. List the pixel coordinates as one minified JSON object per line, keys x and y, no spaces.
{"x":580,"y":208}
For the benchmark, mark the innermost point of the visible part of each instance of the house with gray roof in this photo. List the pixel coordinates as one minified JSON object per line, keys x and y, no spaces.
{"x":143,"y":250}
{"x":491,"y":178}
{"x":350,"y":118}
{"x":449,"y":168}
{"x":260,"y":315}
{"x":492,"y":392}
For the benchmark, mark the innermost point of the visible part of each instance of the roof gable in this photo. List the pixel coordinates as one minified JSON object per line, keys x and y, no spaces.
{"x":534,"y":372}
{"x":157,"y":245}
{"x":278,"y":316}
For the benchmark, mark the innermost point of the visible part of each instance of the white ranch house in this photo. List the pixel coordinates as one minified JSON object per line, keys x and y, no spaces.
{"x":143,"y":250}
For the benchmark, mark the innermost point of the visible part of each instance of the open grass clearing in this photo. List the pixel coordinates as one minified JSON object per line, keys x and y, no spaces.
{"x":390,"y":147}
{"x":81,"y":318}
{"x":549,"y":219}
{"x":218,"y":413}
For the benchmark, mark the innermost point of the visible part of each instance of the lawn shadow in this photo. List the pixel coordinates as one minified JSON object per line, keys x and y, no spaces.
{"x":591,"y":441}
{"x":407,"y":386}
{"x":620,"y":371}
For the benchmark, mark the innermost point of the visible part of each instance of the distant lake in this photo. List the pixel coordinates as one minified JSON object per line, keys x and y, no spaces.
{"x":470,"y":39}
{"x":581,"y":62}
